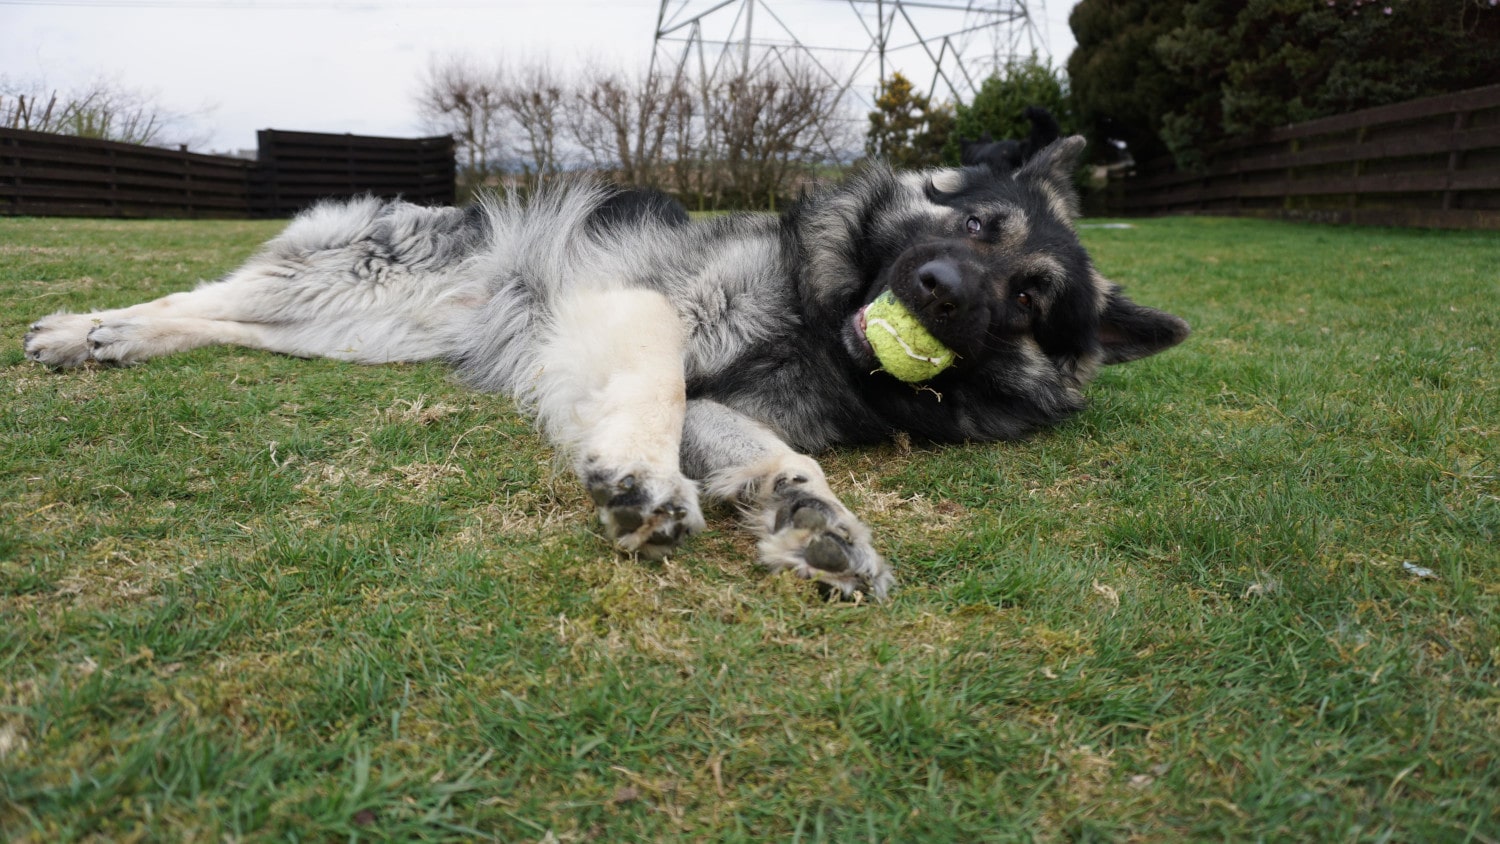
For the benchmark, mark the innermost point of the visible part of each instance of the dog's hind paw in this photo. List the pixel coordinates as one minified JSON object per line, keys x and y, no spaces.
{"x":124,"y":341}
{"x":817,"y":538}
{"x":60,"y":340}
{"x":644,"y":512}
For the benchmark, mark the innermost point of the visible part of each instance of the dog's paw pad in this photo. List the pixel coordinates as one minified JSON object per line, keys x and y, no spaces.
{"x":59,"y":341}
{"x":644,"y":513}
{"x":818,"y":539}
{"x":828,"y":554}
{"x":805,"y":513}
{"x":606,"y":492}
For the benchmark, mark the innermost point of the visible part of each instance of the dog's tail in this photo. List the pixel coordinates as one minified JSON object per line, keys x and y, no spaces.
{"x":1044,"y":128}
{"x":532,"y":249}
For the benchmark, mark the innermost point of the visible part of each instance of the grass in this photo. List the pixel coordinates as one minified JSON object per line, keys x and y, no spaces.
{"x":249,"y":597}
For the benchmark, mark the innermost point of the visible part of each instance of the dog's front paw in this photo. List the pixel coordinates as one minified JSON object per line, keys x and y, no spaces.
{"x":644,"y":512}
{"x":120,"y":341}
{"x":816,"y":537}
{"x":61,"y":340}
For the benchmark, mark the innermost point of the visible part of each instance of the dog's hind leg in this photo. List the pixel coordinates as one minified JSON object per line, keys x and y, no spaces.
{"x":128,"y":335}
{"x":362,"y":281}
{"x":609,"y":390}
{"x":218,"y":314}
{"x":802,"y":525}
{"x":174,"y":323}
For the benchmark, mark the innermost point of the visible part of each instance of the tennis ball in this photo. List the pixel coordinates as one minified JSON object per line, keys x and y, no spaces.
{"x":904,"y":348}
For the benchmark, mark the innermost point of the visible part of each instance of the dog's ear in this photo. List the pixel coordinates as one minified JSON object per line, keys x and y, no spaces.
{"x":1128,"y":331}
{"x":1052,"y":169}
{"x":1057,"y":161}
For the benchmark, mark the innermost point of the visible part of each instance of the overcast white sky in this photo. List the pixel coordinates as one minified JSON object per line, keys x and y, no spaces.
{"x":352,"y":65}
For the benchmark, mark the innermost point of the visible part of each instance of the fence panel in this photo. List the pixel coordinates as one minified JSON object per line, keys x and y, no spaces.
{"x":55,"y":175}
{"x":1433,"y":162}
{"x":295,"y":169}
{"x":51,"y":175}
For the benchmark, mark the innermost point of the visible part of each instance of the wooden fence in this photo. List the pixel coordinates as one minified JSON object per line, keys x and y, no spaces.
{"x":295,"y":169}
{"x":60,"y":176}
{"x":1432,"y":163}
{"x":56,"y":175}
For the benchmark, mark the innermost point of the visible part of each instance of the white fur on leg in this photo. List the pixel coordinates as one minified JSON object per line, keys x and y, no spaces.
{"x":138,"y":338}
{"x":611,"y":393}
{"x":162,"y":326}
{"x":611,"y":379}
{"x":63,"y":340}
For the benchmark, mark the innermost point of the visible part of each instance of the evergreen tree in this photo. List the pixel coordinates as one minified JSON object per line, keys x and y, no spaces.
{"x":1278,"y":63}
{"x":997,"y":109}
{"x":906,"y":129}
{"x":1120,"y":87}
{"x":1179,"y":74}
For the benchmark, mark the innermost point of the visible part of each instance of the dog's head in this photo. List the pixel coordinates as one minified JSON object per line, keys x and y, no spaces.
{"x":991,"y":265}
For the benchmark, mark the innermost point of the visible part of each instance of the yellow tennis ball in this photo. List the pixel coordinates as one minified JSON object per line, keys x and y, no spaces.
{"x":904,"y":348}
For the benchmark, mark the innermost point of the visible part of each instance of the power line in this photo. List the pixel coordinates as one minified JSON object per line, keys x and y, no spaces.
{"x":308,"y":5}
{"x":958,"y":42}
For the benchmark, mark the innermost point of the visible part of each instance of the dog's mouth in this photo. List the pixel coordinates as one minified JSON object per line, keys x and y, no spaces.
{"x":856,"y":337}
{"x":862,"y":326}
{"x":856,"y":343}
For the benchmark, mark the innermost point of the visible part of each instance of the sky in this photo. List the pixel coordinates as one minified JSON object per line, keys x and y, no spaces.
{"x":232,"y":67}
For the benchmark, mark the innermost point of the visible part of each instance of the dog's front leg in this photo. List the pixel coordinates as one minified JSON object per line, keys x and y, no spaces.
{"x":610,"y":392}
{"x":801,"y":524}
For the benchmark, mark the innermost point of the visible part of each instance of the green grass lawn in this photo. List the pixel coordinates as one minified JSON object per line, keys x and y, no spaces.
{"x":245,"y":596}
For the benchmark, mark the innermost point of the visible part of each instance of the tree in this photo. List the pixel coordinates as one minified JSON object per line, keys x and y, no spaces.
{"x":997,"y":110}
{"x":457,"y":96}
{"x":1275,"y":63}
{"x":1178,"y":74}
{"x":533,"y":107}
{"x":906,"y":129}
{"x":101,"y":109}
{"x":1120,"y":87}
{"x":742,"y":141}
{"x":632,"y":126}
{"x":764,"y":128}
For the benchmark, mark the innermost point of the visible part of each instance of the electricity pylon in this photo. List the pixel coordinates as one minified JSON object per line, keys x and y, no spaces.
{"x":950,"y":46}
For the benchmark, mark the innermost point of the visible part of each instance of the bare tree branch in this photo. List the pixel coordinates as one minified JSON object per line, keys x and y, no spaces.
{"x":460,"y":97}
{"x":745,"y":141}
{"x":102,"y":109}
{"x":629,"y":125}
{"x":533,"y":104}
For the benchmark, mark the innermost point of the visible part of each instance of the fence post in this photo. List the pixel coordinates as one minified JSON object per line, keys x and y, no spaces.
{"x":187,"y":187}
{"x":349,"y":163}
{"x":114,"y":182}
{"x":1239,"y":180}
{"x":15,"y":179}
{"x":1455,"y":155}
{"x":1293,"y":146}
{"x":1357,"y":169}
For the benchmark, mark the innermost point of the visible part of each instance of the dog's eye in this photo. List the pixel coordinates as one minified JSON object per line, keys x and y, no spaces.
{"x":1024,"y":300}
{"x":974,"y":225}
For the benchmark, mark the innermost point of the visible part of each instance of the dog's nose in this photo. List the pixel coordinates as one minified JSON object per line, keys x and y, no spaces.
{"x":944,"y":293}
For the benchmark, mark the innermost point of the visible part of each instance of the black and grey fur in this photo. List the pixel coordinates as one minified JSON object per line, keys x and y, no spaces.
{"x":1006,"y":157}
{"x":669,"y":359}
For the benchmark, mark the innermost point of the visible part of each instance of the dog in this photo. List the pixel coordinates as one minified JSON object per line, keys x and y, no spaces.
{"x":669,"y":360}
{"x":1005,"y":157}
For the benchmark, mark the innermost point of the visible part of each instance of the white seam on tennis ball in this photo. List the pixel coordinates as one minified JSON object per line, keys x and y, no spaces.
{"x":910,"y":352}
